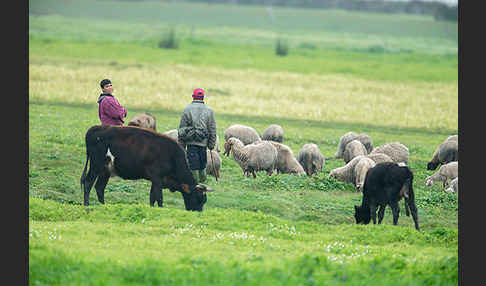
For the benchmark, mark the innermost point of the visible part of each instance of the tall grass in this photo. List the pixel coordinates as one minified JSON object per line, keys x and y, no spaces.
{"x":314,"y":97}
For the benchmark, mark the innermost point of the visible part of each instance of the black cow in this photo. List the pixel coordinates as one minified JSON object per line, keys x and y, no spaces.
{"x":385,"y":184}
{"x":136,"y":153}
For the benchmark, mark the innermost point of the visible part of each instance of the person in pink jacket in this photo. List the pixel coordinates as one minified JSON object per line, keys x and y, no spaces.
{"x":109,"y":109}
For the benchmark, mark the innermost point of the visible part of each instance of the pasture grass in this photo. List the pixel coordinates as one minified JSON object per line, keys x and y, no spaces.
{"x":73,"y":245}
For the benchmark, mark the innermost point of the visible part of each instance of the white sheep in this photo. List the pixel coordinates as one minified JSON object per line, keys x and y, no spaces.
{"x":365,"y":139}
{"x":445,"y":174}
{"x":273,"y":132}
{"x":252,"y":157}
{"x":445,"y":153}
{"x":453,"y":186}
{"x":360,"y":170}
{"x":245,"y":134}
{"x":343,"y":141}
{"x":174,"y":133}
{"x":395,"y":150}
{"x":311,"y":159}
{"x":379,"y":157}
{"x":213,"y":163}
{"x":349,"y":173}
{"x":286,"y":162}
{"x":353,"y":149}
{"x":145,"y":120}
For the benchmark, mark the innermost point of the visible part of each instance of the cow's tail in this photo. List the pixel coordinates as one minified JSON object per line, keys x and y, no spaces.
{"x":83,"y":176}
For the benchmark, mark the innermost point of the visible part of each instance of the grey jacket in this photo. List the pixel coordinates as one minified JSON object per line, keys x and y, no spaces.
{"x":201,"y":117}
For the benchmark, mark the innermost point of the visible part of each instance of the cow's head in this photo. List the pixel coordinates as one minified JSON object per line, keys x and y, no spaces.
{"x":362,"y":215}
{"x":195,"y":197}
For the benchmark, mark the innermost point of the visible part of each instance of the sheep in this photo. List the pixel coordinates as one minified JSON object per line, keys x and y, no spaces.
{"x":273,"y":132}
{"x":445,"y":153}
{"x":360,"y":170}
{"x":213,"y":163}
{"x":453,"y":186}
{"x":311,"y":159}
{"x":366,"y":141}
{"x":144,"y":120}
{"x":174,"y":133}
{"x":252,"y":157}
{"x":379,"y":157}
{"x":353,"y":149}
{"x":245,"y":134}
{"x":350,"y":136}
{"x":343,"y":141}
{"x":286,"y":162}
{"x":386,"y":184}
{"x":395,"y":150}
{"x":353,"y":172}
{"x":446,"y":173}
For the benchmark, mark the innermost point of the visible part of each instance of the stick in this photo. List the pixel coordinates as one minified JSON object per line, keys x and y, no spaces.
{"x":212,"y":163}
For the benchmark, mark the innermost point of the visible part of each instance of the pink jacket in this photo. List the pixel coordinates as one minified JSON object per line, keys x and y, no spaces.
{"x":110,"y":111}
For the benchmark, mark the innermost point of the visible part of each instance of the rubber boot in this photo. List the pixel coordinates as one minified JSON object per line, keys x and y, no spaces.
{"x":202,"y":175}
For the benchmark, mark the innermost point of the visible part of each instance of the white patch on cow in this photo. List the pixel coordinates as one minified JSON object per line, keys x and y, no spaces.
{"x":111,"y":163}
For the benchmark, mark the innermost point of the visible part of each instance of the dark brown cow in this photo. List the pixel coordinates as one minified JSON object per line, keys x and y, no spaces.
{"x":135,"y":153}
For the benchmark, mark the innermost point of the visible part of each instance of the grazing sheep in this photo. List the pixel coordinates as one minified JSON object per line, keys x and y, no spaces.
{"x":445,"y":153}
{"x":395,"y":150}
{"x":343,"y":141}
{"x":174,"y":133}
{"x":379,"y":157}
{"x":144,"y":120}
{"x":453,"y":186}
{"x":245,"y":134}
{"x":353,"y":149}
{"x":360,"y":170}
{"x":273,"y":132}
{"x":350,"y":136}
{"x":311,"y":159}
{"x":386,"y":184}
{"x":286,"y":162}
{"x":366,"y":141}
{"x":253,"y":157}
{"x":213,"y":163}
{"x":445,"y":174}
{"x":353,"y":172}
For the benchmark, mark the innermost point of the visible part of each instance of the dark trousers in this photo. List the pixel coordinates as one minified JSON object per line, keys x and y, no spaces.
{"x":197,"y":157}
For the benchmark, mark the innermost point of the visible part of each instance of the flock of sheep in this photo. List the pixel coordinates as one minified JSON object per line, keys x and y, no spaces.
{"x":267,"y":153}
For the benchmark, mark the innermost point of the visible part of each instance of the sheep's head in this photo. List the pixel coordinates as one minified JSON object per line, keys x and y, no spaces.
{"x":227,"y":148}
{"x":432,"y":166}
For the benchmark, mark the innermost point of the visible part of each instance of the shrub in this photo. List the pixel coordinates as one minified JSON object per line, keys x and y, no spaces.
{"x":169,"y":40}
{"x":281,"y":48}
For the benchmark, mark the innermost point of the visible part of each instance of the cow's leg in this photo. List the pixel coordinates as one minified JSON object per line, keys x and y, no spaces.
{"x":88,"y":184}
{"x":373,"y":211}
{"x":407,"y":208}
{"x":413,"y":210}
{"x":156,"y":193}
{"x":381,"y":213}
{"x":396,"y":212}
{"x":100,"y":185}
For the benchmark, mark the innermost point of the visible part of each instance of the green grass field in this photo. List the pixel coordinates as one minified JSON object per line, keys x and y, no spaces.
{"x":278,"y":230}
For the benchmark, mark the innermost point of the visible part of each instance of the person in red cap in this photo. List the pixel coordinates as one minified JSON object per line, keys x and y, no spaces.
{"x":197,"y":131}
{"x":109,"y":109}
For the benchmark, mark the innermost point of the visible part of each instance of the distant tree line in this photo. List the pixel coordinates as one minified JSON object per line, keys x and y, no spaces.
{"x":439,"y":10}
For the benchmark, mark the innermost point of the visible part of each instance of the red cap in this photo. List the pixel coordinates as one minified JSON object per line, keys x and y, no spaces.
{"x":198,"y":93}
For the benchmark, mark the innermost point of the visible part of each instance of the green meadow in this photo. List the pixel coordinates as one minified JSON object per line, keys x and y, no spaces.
{"x":393,"y":77}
